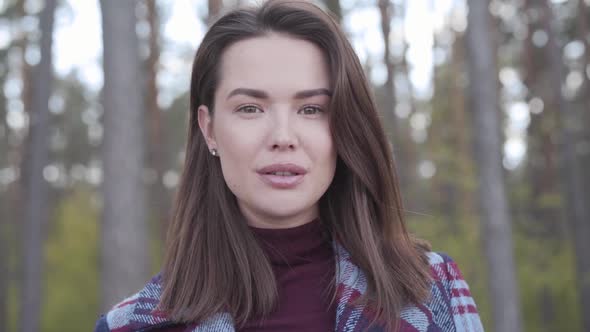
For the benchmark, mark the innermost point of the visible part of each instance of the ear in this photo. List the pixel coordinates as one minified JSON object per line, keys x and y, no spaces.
{"x":206,"y":125}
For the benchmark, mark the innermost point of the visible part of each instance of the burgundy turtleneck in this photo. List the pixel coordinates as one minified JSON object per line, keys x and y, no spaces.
{"x":302,"y":259}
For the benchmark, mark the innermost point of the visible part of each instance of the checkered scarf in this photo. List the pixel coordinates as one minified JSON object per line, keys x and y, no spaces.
{"x":449,"y":309}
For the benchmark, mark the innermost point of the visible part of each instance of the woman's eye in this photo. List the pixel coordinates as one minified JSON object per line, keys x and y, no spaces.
{"x":249,"y":109}
{"x":310,"y":110}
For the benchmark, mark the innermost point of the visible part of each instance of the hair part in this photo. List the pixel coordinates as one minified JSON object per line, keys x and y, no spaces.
{"x":212,"y":262}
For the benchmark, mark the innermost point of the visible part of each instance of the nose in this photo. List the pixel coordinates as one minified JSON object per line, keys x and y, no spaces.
{"x":283,"y":136}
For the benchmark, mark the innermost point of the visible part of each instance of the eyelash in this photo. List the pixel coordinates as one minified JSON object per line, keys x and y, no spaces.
{"x":242,"y":108}
{"x":314,"y":107}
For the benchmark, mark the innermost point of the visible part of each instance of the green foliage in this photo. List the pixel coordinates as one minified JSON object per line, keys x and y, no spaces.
{"x":175,"y":131}
{"x":10,"y":245}
{"x":545,"y":271}
{"x":550,"y":200}
{"x":156,"y":245}
{"x":13,"y":306}
{"x":460,"y":240}
{"x":74,"y":124}
{"x":547,"y":284}
{"x":71,"y":284}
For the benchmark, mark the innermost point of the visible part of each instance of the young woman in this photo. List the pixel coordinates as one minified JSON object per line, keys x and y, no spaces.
{"x":288,"y":216}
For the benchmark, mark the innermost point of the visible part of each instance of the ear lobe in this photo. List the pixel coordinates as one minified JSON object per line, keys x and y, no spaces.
{"x":206,"y":125}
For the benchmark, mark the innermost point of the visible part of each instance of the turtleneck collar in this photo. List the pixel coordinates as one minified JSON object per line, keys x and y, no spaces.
{"x":294,"y":246}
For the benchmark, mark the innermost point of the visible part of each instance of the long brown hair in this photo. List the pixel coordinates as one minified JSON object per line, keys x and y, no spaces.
{"x":213,"y":263}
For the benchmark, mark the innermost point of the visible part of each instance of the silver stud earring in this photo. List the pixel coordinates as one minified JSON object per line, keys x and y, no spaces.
{"x":214,"y":152}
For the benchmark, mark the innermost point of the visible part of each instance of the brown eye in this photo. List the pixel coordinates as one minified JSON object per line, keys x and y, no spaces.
{"x":310,"y":110}
{"x":249,"y":109}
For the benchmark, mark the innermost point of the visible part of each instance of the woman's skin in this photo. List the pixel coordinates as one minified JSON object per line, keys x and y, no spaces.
{"x":271,"y":110}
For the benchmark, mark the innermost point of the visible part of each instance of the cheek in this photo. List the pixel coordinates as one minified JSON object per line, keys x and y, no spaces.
{"x":323,"y":146}
{"x":227,"y":135}
{"x":237,"y":145}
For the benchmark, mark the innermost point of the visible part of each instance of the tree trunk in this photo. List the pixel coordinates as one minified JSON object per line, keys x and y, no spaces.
{"x":158,"y":193}
{"x":36,"y":192}
{"x":584,"y":96}
{"x":460,"y":119}
{"x":584,"y":35}
{"x":576,"y":203}
{"x":124,"y":245}
{"x":4,"y":220}
{"x":16,"y":191}
{"x":483,"y":94}
{"x":387,"y":102}
{"x":541,"y":149}
{"x":334,"y":7}
{"x":6,"y":214}
{"x":386,"y":11}
{"x":215,"y":7}
{"x":4,"y":270}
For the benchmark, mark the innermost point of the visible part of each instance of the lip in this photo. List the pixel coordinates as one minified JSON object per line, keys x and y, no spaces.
{"x":282,"y":167}
{"x":279,"y":181}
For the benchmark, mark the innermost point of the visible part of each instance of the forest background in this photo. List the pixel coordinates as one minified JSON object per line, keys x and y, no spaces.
{"x":487,"y":104}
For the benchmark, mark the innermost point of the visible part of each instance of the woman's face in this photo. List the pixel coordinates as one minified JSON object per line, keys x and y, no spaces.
{"x":270,"y":127}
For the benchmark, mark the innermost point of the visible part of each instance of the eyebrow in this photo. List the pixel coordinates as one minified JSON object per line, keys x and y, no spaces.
{"x":259,"y":94}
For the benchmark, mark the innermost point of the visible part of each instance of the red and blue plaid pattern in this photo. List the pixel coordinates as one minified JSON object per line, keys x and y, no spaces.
{"x":449,"y":309}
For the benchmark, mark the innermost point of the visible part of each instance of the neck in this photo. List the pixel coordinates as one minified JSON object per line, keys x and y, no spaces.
{"x":274,"y":221}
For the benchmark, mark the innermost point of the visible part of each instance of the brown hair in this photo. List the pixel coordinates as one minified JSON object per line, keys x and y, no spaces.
{"x":213,"y":262}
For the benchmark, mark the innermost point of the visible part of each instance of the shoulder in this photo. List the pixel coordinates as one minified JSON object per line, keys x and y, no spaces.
{"x":135,"y":313}
{"x":444,"y":269}
{"x":451,"y":302}
{"x":101,"y":325}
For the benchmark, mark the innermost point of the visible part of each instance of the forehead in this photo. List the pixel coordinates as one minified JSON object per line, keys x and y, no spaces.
{"x":274,"y":62}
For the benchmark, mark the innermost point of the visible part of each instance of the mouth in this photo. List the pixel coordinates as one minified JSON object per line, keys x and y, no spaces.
{"x":280,"y":173}
{"x":286,"y":169}
{"x":282,"y":176}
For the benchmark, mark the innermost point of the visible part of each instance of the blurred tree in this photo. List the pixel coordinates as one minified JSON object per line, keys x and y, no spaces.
{"x":386,"y":93}
{"x":544,"y":204}
{"x":17,"y":142}
{"x":124,"y":241}
{"x":6,"y":195}
{"x":539,"y":215}
{"x":408,"y":147}
{"x":334,"y":7}
{"x":463,"y":172}
{"x":448,"y":138}
{"x":214,"y":7}
{"x":4,"y":211}
{"x":71,"y":252}
{"x":400,"y":13}
{"x":583,"y":33}
{"x":576,"y":203}
{"x":158,"y":195}
{"x":74,"y":127}
{"x":386,"y":101}
{"x":36,"y":188}
{"x":176,"y":116}
{"x":495,"y":216}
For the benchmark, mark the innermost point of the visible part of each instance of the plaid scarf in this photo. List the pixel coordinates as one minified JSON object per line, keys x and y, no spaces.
{"x":449,"y":309}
